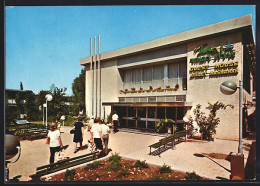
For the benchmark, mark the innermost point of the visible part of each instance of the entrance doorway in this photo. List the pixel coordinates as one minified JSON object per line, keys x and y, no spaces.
{"x":145,"y":118}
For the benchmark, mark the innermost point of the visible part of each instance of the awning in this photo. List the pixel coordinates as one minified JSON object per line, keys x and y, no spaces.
{"x":149,"y":104}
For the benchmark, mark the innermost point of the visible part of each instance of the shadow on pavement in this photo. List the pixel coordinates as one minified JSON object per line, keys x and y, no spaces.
{"x":163,"y":149}
{"x":16,"y":178}
{"x":202,"y":156}
{"x":221,"y":178}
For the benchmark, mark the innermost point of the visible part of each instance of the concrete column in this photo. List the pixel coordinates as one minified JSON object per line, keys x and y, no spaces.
{"x":165,"y":77}
{"x":95,"y":80}
{"x":91,"y":80}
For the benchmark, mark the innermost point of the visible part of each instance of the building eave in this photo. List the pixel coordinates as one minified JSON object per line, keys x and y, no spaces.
{"x":151,"y":104}
{"x":181,"y":38}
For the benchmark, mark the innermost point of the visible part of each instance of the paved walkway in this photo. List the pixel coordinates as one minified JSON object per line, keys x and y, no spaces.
{"x":185,"y":157}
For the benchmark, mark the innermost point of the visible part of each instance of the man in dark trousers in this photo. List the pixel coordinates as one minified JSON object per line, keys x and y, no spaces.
{"x":115,"y":121}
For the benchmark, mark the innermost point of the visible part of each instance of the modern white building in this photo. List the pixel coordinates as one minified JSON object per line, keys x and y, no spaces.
{"x":164,"y":78}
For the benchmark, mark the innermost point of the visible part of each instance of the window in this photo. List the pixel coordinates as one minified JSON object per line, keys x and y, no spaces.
{"x":127,"y":79}
{"x":183,"y":75}
{"x":177,"y":74}
{"x":158,"y":73}
{"x":154,"y":76}
{"x":173,"y":74}
{"x":147,"y":77}
{"x":136,"y":78}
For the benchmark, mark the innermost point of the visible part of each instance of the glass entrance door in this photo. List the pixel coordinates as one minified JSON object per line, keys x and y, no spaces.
{"x":132,"y":117}
{"x":141,"y":117}
{"x":146,"y":117}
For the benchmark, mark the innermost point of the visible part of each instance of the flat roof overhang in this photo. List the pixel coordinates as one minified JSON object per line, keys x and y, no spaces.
{"x":238,"y":24}
{"x":145,"y":104}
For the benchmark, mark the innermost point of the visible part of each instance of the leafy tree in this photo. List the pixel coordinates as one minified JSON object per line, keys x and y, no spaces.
{"x":31,"y":107}
{"x":209,"y":123}
{"x":78,"y":88}
{"x":10,"y":112}
{"x":57,"y":105}
{"x":41,"y":97}
{"x":18,"y":98}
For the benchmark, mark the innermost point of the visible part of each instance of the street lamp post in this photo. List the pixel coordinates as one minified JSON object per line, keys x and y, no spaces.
{"x":228,"y":88}
{"x":48,"y":97}
{"x":62,"y":118}
{"x":44,"y":105}
{"x":186,"y":119}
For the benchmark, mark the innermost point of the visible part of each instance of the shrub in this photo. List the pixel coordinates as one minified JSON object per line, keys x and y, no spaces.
{"x":122,"y":173}
{"x":113,"y":166}
{"x":70,"y":121}
{"x":160,"y":128}
{"x":165,"y":169}
{"x":93,"y":165}
{"x":192,"y":176}
{"x":127,"y":165}
{"x":208,"y":124}
{"x":114,"y":162}
{"x":69,"y":174}
{"x":115,"y":157}
{"x":109,"y":118}
{"x":18,"y":133}
{"x":163,"y":123}
{"x":141,"y":164}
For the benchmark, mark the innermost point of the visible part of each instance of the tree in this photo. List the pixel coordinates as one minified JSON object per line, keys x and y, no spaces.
{"x":21,"y":86}
{"x":31,"y":107}
{"x":41,"y":97}
{"x":57,"y":105}
{"x":18,"y":98}
{"x":78,"y":88}
{"x":10,"y":112}
{"x":209,"y":123}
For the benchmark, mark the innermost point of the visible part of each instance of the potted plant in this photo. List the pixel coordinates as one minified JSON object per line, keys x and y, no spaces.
{"x":141,"y":90}
{"x":169,"y":123}
{"x":133,"y":90}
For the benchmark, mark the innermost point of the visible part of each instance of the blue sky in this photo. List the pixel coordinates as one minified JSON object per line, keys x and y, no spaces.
{"x":45,"y":44}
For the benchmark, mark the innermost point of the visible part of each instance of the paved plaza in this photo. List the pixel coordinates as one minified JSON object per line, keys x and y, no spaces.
{"x":186,"y":156}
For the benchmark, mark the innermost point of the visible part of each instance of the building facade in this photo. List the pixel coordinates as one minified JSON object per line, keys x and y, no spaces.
{"x":166,"y":77}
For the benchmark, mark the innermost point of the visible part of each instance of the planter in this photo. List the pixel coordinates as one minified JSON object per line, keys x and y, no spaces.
{"x":169,"y":130}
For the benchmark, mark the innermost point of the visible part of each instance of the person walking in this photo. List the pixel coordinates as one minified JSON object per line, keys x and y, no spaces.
{"x":105,"y":132}
{"x":58,"y":122}
{"x":96,"y":136}
{"x":54,"y":141}
{"x":90,"y":123}
{"x":115,"y":121}
{"x":78,"y":134}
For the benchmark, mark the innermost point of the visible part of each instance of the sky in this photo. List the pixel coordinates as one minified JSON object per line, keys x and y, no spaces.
{"x":44,"y":44}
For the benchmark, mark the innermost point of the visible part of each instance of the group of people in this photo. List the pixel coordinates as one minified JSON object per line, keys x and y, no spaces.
{"x":99,"y":132}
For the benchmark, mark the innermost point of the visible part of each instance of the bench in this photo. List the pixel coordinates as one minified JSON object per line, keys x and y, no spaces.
{"x":63,"y":164}
{"x":168,"y":139}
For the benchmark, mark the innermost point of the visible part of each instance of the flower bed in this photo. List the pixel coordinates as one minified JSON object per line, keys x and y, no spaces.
{"x":118,"y":169}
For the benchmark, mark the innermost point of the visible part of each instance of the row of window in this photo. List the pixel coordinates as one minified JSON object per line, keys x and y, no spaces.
{"x":156,"y":76}
{"x":12,"y":101}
